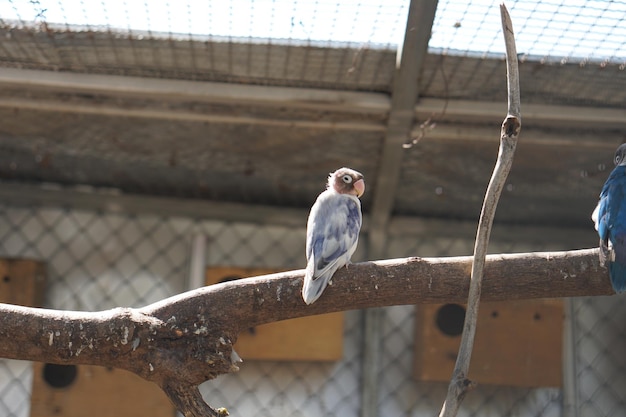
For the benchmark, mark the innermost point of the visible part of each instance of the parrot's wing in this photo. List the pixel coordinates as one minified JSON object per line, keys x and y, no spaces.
{"x":332,"y":236}
{"x":602,"y":215}
{"x":610,"y":220}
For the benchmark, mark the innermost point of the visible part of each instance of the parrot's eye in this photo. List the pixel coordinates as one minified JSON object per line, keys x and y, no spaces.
{"x":617,"y":159}
{"x":347,"y":179}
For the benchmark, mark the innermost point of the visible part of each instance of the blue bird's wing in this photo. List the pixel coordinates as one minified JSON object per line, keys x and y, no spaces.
{"x":617,"y":232}
{"x":600,"y":217}
{"x":610,"y":218}
{"x":332,"y":236}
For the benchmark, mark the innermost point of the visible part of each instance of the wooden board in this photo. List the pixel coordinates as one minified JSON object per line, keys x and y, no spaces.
{"x":22,"y":282}
{"x":518,"y":343}
{"x":314,"y":338}
{"x":98,"y":392}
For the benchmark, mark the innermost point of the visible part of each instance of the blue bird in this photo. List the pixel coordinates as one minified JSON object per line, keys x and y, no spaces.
{"x":332,"y":230}
{"x":610,"y":220}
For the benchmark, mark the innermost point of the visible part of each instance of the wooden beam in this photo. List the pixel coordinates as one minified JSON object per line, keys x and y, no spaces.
{"x":185,"y":116}
{"x":204,"y":91}
{"x":535,"y":135}
{"x":112,"y":200}
{"x":266,"y":96}
{"x":538,"y":114}
{"x":400,"y":226}
{"x":589,"y":120}
{"x":401,"y":119}
{"x":401,"y":116}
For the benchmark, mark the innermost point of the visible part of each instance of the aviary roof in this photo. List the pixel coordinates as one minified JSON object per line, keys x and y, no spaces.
{"x":256,"y":101}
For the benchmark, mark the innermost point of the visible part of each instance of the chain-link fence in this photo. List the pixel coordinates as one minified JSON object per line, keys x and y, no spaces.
{"x":600,"y":342}
{"x":101,"y":260}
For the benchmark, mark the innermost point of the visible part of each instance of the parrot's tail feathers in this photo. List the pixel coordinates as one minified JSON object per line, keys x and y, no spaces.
{"x":618,"y":276}
{"x":313,"y":288}
{"x":604,"y":252}
{"x":617,"y":259}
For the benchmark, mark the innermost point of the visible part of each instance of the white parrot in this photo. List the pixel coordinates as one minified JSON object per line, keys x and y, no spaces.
{"x":332,"y":230}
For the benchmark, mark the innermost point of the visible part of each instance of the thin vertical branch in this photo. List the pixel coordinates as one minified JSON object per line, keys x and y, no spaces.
{"x":460,"y":384}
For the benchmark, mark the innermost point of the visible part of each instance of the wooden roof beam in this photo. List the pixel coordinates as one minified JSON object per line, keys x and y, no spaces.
{"x":409,"y":61}
{"x":404,"y":94}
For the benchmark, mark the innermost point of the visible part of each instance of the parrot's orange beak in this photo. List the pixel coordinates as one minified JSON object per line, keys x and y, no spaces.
{"x":359,"y":186}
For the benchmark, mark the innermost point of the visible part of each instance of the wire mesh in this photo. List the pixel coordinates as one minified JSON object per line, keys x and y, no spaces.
{"x":600,"y":337}
{"x":547,"y":31}
{"x":400,"y":394}
{"x":349,"y":44}
{"x":100,"y":260}
{"x":559,"y":45}
{"x":269,"y":42}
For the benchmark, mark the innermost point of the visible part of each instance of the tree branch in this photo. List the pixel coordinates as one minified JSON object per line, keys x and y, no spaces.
{"x":459,"y":383}
{"x":184,"y":340}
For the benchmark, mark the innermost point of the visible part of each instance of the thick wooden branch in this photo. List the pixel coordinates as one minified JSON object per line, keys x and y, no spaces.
{"x":184,"y":340}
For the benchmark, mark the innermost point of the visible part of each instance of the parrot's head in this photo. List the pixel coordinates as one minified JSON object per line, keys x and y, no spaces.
{"x":347,"y":181}
{"x":620,"y":155}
